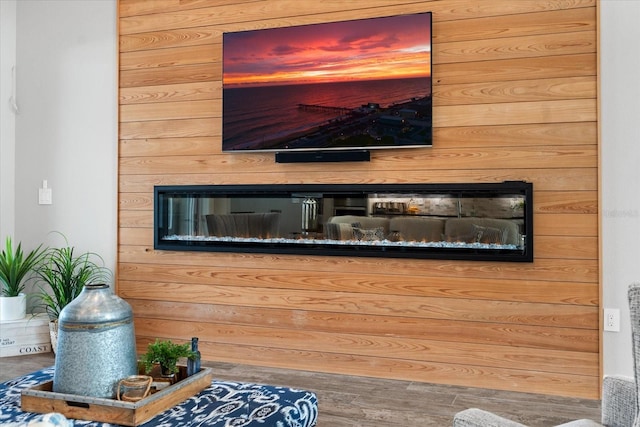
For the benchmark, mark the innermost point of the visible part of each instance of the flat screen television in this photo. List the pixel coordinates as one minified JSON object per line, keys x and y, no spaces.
{"x":358,"y":84}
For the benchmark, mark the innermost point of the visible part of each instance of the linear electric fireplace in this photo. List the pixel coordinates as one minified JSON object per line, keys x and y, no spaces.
{"x":445,"y":221}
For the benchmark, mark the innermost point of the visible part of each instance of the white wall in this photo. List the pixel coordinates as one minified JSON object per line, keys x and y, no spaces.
{"x":7,"y":118}
{"x":620,"y":163}
{"x":66,"y":131}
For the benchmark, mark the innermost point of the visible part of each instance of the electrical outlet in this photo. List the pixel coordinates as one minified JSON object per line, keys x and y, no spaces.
{"x":612,"y":319}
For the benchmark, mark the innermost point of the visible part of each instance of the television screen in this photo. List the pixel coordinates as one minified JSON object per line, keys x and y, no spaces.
{"x":358,"y":84}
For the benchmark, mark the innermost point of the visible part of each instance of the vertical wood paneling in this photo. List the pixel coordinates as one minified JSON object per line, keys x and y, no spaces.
{"x":514,"y":90}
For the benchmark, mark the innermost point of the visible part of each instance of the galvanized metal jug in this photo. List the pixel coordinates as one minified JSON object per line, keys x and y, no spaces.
{"x":96,"y":344}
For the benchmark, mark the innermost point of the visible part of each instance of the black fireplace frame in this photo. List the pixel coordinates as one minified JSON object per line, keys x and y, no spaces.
{"x":522,"y":189}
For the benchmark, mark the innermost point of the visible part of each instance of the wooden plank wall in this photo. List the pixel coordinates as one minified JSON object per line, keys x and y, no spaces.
{"x":514,"y":99}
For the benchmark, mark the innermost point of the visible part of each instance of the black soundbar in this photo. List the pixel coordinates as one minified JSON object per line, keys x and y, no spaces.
{"x":323,"y":156}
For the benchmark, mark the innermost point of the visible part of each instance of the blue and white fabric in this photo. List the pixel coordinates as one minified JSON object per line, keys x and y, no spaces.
{"x":223,"y":404}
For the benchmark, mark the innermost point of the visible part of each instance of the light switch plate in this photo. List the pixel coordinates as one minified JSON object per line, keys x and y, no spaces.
{"x":44,"y":196}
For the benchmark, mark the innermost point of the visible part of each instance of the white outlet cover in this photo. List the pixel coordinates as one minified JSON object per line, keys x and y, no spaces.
{"x":612,"y":319}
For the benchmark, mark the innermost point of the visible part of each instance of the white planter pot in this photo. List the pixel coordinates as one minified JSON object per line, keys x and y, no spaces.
{"x":13,"y":308}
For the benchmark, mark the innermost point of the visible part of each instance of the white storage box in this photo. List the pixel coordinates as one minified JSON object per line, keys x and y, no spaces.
{"x":25,"y":336}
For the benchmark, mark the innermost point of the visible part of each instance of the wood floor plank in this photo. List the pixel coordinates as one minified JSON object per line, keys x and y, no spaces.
{"x":352,"y":401}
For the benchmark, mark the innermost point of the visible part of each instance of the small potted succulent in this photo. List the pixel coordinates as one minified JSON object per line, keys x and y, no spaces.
{"x":166,"y":354}
{"x":15,"y":265}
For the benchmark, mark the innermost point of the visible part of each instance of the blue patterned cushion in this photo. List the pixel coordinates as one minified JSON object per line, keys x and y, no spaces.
{"x":224,"y":403}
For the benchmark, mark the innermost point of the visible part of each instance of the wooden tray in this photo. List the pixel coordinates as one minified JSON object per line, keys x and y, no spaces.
{"x":42,"y":399}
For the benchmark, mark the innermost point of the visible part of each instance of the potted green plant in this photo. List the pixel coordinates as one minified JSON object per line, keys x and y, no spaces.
{"x":14,"y":267}
{"x":166,"y":354}
{"x":62,"y":275}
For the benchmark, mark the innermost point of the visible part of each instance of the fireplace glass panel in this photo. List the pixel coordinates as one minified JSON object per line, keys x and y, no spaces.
{"x":461,"y":221}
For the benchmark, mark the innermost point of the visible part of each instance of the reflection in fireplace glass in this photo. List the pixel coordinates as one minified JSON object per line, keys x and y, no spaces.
{"x":472,"y":221}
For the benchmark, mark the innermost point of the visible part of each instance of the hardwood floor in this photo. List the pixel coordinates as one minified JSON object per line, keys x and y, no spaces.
{"x":349,"y":401}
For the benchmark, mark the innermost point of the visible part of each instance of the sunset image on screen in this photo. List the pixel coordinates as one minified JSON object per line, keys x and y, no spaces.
{"x":368,"y":49}
{"x":336,"y":85}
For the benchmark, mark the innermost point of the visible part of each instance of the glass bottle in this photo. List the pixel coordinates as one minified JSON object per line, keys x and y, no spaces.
{"x":193,"y":364}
